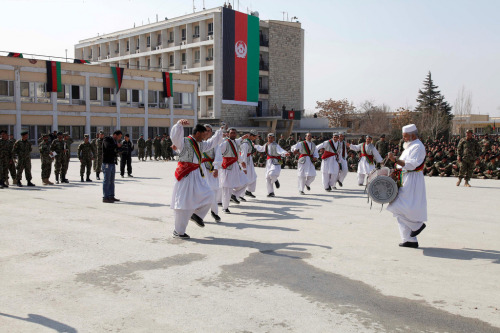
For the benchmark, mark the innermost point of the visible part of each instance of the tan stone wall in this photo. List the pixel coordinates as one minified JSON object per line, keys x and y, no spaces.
{"x":237,"y":115}
{"x":285,"y":66}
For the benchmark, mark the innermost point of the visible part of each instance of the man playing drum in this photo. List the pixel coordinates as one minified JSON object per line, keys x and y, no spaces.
{"x":410,"y":206}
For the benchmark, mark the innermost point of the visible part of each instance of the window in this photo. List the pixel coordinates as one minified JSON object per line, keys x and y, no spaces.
{"x":148,"y":41}
{"x":210,"y":103}
{"x":197,"y":56}
{"x":43,"y":129}
{"x":77,"y":95}
{"x":210,"y":53}
{"x":42,"y":95}
{"x":153,"y":131}
{"x":183,"y":100}
{"x":196,"y":31}
{"x":123,"y":97}
{"x":108,"y":96}
{"x":183,"y":34}
{"x":183,"y":58}
{"x":135,"y":96}
{"x":137,"y":65}
{"x":28,"y":92}
{"x":149,"y":63}
{"x":128,"y":46}
{"x":6,"y":91}
{"x":160,"y":65}
{"x":95,"y":96}
{"x":91,"y":51}
{"x":210,"y":28}
{"x":171,"y":37}
{"x":98,"y":51}
{"x":158,"y":40}
{"x":63,"y":95}
{"x":31,"y":132}
{"x":171,"y":60}
{"x":135,"y":133}
{"x":137,"y":44}
{"x":153,"y":98}
{"x":210,"y":79}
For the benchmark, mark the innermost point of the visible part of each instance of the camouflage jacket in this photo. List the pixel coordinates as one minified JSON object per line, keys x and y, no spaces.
{"x":58,"y":147}
{"x":44,"y":148}
{"x":468,"y":150}
{"x":85,"y":151}
{"x":22,"y":149}
{"x":141,"y":143}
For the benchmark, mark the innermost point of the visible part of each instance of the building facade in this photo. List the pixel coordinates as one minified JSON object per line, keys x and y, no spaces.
{"x":89,"y":102}
{"x":193,"y":44}
{"x":479,"y":123}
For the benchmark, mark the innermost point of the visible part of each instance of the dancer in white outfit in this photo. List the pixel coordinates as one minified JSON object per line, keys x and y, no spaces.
{"x":273,"y":164}
{"x":306,"y":171}
{"x":410,"y":206}
{"x":210,"y":166}
{"x":246,"y":161}
{"x":330,"y":162}
{"x":369,"y":155}
{"x":191,"y":197}
{"x":233,"y":180}
{"x":344,"y":170}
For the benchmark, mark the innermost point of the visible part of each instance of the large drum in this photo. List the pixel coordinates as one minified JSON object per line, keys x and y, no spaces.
{"x":381,"y":187}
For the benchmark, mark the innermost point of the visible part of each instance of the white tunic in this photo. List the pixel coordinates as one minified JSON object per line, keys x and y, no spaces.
{"x":273,"y":167}
{"x":330,"y":164}
{"x":192,"y":191}
{"x":364,"y":166}
{"x":305,"y":166}
{"x":411,"y":202}
{"x":209,"y":176}
{"x":233,"y":176}
{"x":245,"y":149}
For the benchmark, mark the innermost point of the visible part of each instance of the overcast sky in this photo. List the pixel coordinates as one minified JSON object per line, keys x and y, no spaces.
{"x":377,"y":50}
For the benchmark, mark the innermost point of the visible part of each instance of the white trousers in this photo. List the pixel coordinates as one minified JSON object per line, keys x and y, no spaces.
{"x":182,"y":217}
{"x":252,"y":186}
{"x":215,"y":206}
{"x":361,"y":178}
{"x":303,"y":181}
{"x":270,"y":183}
{"x":345,"y":170}
{"x":329,"y":179}
{"x":226,"y":194}
{"x":406,"y":227}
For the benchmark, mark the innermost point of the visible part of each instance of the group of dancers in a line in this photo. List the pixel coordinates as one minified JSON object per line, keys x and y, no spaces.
{"x":216,"y":168}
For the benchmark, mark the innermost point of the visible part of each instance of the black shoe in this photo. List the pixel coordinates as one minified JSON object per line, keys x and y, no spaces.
{"x":97,"y":176}
{"x":31,"y":184}
{"x":242,"y":199}
{"x":82,"y":179}
{"x":2,"y":184}
{"x":340,"y":183}
{"x":270,"y":195}
{"x":114,"y":199}
{"x":216,"y":217}
{"x":88,"y":179}
{"x":409,"y":244}
{"x":250,"y":194}
{"x":226,"y":211}
{"x":198,"y":220}
{"x":65,"y":181}
{"x":308,"y":188}
{"x":122,"y":176}
{"x":361,"y":185}
{"x":108,"y":200}
{"x":277,"y":183}
{"x":57,"y":178}
{"x":219,"y":204}
{"x":183,"y":236}
{"x":233,"y":199}
{"x":131,"y":176}
{"x":328,"y":189}
{"x":417,"y":232}
{"x":302,"y":192}
{"x":19,"y":183}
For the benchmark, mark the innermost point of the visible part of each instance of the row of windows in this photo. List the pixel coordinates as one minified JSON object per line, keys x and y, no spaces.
{"x":36,"y":92}
{"x":196,"y":34}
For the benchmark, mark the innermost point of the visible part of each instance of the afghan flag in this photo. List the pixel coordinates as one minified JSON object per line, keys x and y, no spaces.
{"x":15,"y":55}
{"x":54,"y":76}
{"x":118,"y":76}
{"x":240,"y":56}
{"x":168,"y":86}
{"x":291,"y":115}
{"x":81,"y":61}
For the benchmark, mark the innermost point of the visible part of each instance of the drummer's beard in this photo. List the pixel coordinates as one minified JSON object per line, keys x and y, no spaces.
{"x":406,"y":144}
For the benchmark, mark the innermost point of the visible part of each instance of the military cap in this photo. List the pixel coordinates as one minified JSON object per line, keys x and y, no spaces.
{"x":85,"y":135}
{"x":469,"y":131}
{"x":270,"y":134}
{"x":66,"y":133}
{"x":24,"y":133}
{"x":101,"y":132}
{"x":142,"y":134}
{"x":382,"y":136}
{"x":59,"y":133}
{"x":252,"y":132}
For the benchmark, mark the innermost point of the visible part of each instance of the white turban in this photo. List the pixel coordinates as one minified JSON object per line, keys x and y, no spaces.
{"x":409,"y":128}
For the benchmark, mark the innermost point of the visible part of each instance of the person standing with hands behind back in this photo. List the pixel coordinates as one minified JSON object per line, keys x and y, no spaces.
{"x":111,"y":146}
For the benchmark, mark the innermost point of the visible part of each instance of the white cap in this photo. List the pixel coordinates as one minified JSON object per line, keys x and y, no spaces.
{"x":270,"y":134}
{"x":409,"y":128}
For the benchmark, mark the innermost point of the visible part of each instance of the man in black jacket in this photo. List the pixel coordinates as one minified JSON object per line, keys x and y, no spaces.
{"x":127,"y":149}
{"x":111,"y":146}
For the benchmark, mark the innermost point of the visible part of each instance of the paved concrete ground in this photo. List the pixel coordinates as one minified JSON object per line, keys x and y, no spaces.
{"x":323,"y":262}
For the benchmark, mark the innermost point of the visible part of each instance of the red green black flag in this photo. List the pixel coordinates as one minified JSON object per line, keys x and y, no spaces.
{"x":54,"y":76}
{"x":168,"y":86}
{"x":118,"y":76}
{"x":291,"y":115}
{"x":15,"y":55}
{"x":240,"y":54}
{"x":81,"y":61}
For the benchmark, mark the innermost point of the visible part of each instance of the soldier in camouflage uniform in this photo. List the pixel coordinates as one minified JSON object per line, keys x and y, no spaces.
{"x":444,"y":167}
{"x":429,"y":164}
{"x":485,"y":143}
{"x":352,"y":162}
{"x":479,"y":169}
{"x":492,"y":167}
{"x":282,"y":142}
{"x":98,"y":154}
{"x":149,"y":149}
{"x":22,"y":149}
{"x":157,"y":146}
{"x":12,"y":163}
{"x":4,"y":158}
{"x":141,"y":144}
{"x":67,"y":156}
{"x":468,"y":150}
{"x":59,"y":147}
{"x":164,"y":147}
{"x":382,"y":146}
{"x":86,"y":154}
{"x":170,"y":151}
{"x":45,"y":159}
{"x":290,"y":142}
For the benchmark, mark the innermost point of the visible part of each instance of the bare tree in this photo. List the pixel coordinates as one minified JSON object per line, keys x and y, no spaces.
{"x":374,"y":119}
{"x":402,"y":117}
{"x":433,"y":122}
{"x":463,"y":109}
{"x":337,"y":112}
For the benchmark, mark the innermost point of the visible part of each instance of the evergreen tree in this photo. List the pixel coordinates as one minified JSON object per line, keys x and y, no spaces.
{"x":428,"y":97}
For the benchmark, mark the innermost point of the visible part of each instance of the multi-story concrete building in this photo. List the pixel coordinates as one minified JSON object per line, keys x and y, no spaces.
{"x":88,"y":102}
{"x":193,"y":44}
